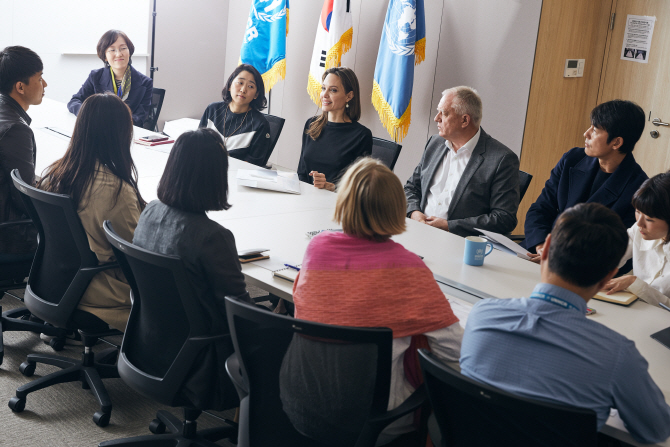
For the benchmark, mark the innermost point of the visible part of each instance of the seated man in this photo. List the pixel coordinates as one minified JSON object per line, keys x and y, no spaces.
{"x":544,"y":347}
{"x":604,"y":171}
{"x":465,"y":179}
{"x":21,"y":85}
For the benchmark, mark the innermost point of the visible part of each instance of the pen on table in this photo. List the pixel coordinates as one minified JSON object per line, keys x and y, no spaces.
{"x":292,"y":267}
{"x":664,"y":306}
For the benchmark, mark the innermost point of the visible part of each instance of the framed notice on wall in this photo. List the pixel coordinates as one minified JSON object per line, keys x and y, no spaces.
{"x":637,"y":38}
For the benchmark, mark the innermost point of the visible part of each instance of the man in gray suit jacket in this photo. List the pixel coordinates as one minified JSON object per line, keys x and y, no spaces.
{"x":465,"y":179}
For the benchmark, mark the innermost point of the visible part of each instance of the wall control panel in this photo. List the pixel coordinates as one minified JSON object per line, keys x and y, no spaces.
{"x":574,"y":68}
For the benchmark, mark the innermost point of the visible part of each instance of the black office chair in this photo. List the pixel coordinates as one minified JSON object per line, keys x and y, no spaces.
{"x":62,"y":269}
{"x":524,"y":182}
{"x":304,"y":383}
{"x":166,"y":336}
{"x":151,"y":121}
{"x":473,"y":414}
{"x":386,"y":151}
{"x":276,"y":126}
{"x":13,"y":271}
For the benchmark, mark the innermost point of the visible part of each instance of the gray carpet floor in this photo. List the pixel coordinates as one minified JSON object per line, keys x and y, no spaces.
{"x":61,"y":415}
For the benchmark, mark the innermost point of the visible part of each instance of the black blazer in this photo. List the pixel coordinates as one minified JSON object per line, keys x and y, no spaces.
{"x":570,"y":183}
{"x":100,"y":80}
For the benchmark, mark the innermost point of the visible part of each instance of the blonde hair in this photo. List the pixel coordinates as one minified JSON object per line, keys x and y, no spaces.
{"x":466,"y":102}
{"x":370,"y":201}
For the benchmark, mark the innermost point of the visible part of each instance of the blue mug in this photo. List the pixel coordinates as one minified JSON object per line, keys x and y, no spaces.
{"x":475,"y":250}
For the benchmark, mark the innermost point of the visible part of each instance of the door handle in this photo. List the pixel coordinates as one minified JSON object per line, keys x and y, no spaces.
{"x":658,"y":122}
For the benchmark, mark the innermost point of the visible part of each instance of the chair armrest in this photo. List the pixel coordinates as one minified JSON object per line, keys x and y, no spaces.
{"x":15,"y":222}
{"x":418,"y":398}
{"x":233,"y":370}
{"x":100,"y":268}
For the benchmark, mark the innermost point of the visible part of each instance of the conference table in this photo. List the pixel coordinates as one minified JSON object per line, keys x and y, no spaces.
{"x":280,"y":222}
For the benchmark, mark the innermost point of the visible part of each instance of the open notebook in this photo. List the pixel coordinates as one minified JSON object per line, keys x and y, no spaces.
{"x":287,"y":273}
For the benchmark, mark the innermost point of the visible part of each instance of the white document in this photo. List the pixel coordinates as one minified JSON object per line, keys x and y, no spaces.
{"x":177,"y":127}
{"x":272,"y":180}
{"x":506,"y":242}
{"x":637,"y":38}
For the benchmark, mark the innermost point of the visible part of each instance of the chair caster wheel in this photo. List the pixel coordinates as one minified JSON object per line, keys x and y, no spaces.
{"x":157,"y":427}
{"x":17,"y":405}
{"x":27,"y":368}
{"x":57,"y":344}
{"x":101,"y":419}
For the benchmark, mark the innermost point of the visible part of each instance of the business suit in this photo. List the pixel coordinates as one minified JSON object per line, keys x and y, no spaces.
{"x":570,"y":183}
{"x":487,"y":195}
{"x":100,"y":80}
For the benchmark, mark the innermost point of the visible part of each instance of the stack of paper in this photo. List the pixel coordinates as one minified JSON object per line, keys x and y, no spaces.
{"x":272,"y":180}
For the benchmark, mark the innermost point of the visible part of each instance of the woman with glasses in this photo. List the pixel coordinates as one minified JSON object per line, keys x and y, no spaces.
{"x":118,"y":75}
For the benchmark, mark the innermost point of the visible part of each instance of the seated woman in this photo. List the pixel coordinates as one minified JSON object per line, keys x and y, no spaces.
{"x":246,"y":132}
{"x":98,"y":172}
{"x":342,"y":275}
{"x":334,"y":140}
{"x":118,"y":76}
{"x":195,"y":181}
{"x":648,"y":244}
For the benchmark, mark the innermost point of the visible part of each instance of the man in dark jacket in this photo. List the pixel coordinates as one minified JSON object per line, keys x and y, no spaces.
{"x":603,"y":171}
{"x":21,"y":85}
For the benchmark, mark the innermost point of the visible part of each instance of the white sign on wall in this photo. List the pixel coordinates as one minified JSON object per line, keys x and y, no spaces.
{"x":637,"y":38}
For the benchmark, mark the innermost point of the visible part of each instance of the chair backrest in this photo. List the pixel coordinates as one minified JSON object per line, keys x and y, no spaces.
{"x":59,"y":275}
{"x":151,"y":121}
{"x":473,"y":414}
{"x":386,"y":151}
{"x":307,"y":380}
{"x":524,"y":182}
{"x":276,"y":126}
{"x":166,"y":331}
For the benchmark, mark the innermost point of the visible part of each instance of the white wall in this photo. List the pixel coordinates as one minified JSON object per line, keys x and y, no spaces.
{"x":190,"y":54}
{"x":54,"y":28}
{"x":487,"y":44}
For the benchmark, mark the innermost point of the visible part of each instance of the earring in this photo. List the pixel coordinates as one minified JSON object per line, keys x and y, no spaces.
{"x":347,"y":105}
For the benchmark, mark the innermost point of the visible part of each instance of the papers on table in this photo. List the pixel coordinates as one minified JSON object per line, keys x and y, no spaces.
{"x":272,"y":180}
{"x":177,"y":127}
{"x":505,"y":242}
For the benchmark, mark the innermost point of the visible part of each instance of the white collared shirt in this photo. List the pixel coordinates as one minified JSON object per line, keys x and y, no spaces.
{"x":446,"y":178}
{"x":650,"y":265}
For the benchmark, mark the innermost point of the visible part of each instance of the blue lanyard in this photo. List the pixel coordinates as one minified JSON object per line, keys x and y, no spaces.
{"x":553,"y":300}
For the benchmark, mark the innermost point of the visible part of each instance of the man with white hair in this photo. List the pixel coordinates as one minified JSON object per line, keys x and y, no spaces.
{"x":465,"y":179}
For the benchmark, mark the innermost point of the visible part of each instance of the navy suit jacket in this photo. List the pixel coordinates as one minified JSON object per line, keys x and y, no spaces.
{"x":100,"y":80}
{"x":570,"y":183}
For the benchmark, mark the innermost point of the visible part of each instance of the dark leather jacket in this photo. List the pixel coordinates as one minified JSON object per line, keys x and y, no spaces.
{"x":17,"y":151}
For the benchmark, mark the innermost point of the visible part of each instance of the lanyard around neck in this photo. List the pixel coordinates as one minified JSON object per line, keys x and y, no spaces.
{"x":553,"y":300}
{"x":116,"y":92}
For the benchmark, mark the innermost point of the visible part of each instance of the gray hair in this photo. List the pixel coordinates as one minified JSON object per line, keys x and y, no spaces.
{"x":466,"y":102}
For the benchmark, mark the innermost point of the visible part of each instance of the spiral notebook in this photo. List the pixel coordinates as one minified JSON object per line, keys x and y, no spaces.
{"x":287,"y":273}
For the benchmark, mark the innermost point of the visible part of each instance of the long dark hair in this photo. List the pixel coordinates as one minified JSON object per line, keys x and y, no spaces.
{"x":102,"y":134}
{"x":350,"y":84}
{"x":261,"y":101}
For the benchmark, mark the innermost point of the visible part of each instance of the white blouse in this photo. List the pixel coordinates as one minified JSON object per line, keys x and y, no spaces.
{"x":650,"y":266}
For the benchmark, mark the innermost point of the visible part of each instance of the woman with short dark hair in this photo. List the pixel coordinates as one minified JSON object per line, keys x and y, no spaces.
{"x":118,"y":75}
{"x":238,"y":118}
{"x":195,"y":181}
{"x":335,"y":139}
{"x":98,"y":172}
{"x":648,"y":244}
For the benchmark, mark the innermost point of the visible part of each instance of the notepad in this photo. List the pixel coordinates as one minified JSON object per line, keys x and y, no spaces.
{"x":287,"y":273}
{"x":623,"y":298}
{"x":663,"y":337}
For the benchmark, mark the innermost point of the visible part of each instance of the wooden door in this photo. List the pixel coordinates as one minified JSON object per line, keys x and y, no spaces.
{"x":646,"y":84}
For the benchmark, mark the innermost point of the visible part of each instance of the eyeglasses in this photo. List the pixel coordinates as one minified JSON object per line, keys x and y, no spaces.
{"x":114,"y":51}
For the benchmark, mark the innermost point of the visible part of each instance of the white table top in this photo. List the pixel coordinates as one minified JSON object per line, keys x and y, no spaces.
{"x":279,"y":222}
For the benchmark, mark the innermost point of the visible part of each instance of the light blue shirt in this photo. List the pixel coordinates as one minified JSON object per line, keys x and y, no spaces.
{"x":547,"y":349}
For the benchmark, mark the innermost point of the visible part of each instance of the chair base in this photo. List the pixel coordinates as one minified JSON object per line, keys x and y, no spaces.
{"x":13,"y":320}
{"x":87,"y":370}
{"x":181,"y":433}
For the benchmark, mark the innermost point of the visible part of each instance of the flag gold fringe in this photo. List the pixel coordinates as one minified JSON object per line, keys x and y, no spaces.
{"x":274,"y":75}
{"x":419,"y":51}
{"x":334,"y":56}
{"x":314,"y":89}
{"x":396,"y":127}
